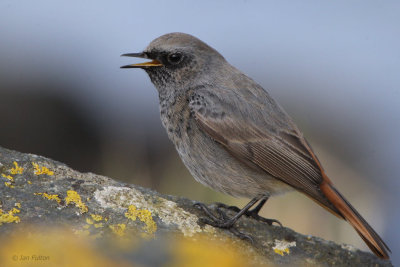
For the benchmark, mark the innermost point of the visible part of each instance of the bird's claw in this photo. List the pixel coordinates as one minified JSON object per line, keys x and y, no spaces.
{"x":223,"y":221}
{"x":257,"y":217}
{"x":250,"y":213}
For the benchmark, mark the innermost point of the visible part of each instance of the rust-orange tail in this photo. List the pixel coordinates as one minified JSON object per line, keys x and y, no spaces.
{"x":371,"y":238}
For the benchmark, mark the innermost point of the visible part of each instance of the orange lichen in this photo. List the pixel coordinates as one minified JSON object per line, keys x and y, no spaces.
{"x":74,"y":197}
{"x":38,"y":170}
{"x":50,"y":197}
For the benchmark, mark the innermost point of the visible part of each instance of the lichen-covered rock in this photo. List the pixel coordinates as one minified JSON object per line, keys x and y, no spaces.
{"x":39,"y":193}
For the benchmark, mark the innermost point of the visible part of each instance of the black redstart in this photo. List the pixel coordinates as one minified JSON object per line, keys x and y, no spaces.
{"x":233,"y":137}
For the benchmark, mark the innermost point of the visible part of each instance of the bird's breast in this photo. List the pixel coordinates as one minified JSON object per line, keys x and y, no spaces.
{"x":176,"y":119}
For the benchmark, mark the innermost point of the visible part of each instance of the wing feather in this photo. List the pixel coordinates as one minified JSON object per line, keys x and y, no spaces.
{"x":277,"y":153}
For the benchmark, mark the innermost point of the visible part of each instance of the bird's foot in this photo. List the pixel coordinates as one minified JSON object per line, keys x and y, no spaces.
{"x":223,"y":221}
{"x":253,"y":213}
{"x":222,"y":205}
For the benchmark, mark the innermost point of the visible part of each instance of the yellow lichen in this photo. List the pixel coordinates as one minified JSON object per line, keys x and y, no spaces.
{"x":29,"y":182}
{"x":74,"y":197}
{"x":9,"y":177}
{"x":15,"y":210}
{"x":9,"y":217}
{"x":132,"y":213}
{"x":17,"y":169}
{"x":8,"y":184}
{"x":118,"y":229}
{"x":144,"y":215}
{"x":91,"y":222}
{"x":38,"y":170}
{"x":98,"y":225}
{"x":96,"y":217}
{"x":281,"y":251}
{"x":18,"y":205}
{"x":282,"y":246}
{"x":50,"y":197}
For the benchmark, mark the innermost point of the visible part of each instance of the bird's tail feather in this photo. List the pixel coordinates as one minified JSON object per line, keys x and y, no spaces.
{"x":371,"y":238}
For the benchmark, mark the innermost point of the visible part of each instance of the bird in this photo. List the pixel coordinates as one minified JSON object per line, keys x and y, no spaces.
{"x":234,"y":137}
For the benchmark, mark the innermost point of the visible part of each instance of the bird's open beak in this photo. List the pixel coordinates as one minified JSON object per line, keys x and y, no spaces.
{"x":153,"y":63}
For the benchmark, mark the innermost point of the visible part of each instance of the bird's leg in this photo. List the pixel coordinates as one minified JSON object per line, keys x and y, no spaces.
{"x":257,"y":209}
{"x":253,"y":213}
{"x":224,"y":221}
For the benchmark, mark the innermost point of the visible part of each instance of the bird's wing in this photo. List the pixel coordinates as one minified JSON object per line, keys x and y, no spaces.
{"x":271,"y":143}
{"x":256,"y":130}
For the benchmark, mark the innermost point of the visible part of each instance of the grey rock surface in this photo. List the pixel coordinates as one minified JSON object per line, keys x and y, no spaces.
{"x":35,"y":190}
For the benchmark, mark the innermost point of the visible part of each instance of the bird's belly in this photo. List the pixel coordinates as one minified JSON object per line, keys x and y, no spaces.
{"x":213,"y":166}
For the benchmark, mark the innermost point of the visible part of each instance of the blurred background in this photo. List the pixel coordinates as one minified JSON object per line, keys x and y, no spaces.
{"x":334,"y":67}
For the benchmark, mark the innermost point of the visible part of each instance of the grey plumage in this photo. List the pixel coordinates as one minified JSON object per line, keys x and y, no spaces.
{"x":231,"y":135}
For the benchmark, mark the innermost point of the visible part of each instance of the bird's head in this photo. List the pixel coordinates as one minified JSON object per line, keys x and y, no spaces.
{"x":178,"y":60}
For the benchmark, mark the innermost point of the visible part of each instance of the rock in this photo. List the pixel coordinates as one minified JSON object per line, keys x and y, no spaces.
{"x":40,"y":193}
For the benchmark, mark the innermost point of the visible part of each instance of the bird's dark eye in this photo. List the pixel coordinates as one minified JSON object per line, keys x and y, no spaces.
{"x":174,"y":58}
